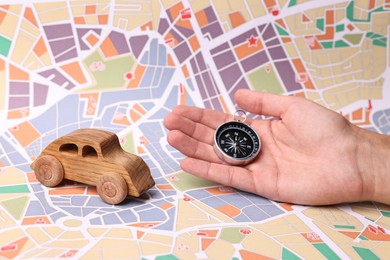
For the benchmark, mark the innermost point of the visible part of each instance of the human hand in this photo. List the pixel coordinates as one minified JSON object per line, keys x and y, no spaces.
{"x":309,"y":154}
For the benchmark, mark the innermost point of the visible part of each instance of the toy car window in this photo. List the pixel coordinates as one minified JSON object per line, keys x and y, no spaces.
{"x":89,"y":151}
{"x":69,"y":148}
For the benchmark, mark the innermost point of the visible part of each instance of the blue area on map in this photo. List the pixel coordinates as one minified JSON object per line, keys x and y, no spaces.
{"x":79,"y":200}
{"x":68,"y":110}
{"x":95,"y":221}
{"x":86,"y":211}
{"x":47,"y":207}
{"x":128,"y":216}
{"x":154,"y":214}
{"x":24,"y":167}
{"x":46,"y":121}
{"x":169,"y":224}
{"x":190,"y":84}
{"x":162,"y":52}
{"x":157,"y":76}
{"x":16,"y":158}
{"x":153,"y":52}
{"x":35,"y":209}
{"x":199,"y":194}
{"x":111,"y":219}
{"x":213,"y":202}
{"x":161,"y":113}
{"x":148,"y":77}
{"x":57,"y":215}
{"x":254,"y":213}
{"x":95,"y":201}
{"x":242,"y":218}
{"x":256,"y":199}
{"x":11,"y":157}
{"x":147,"y":105}
{"x":173,"y":98}
{"x":75,"y":211}
{"x":235,"y":200}
{"x":381,"y":119}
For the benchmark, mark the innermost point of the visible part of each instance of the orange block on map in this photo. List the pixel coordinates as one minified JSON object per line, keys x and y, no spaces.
{"x":136,"y":112}
{"x":248,"y":255}
{"x":79,"y":20}
{"x":13,"y":249}
{"x":29,"y":15}
{"x":236,"y":19}
{"x":2,"y":65}
{"x":206,"y":242}
{"x":75,"y":72}
{"x":92,"y":39}
{"x":220,"y":190}
{"x":244,"y":50}
{"x":138,"y":74}
{"x":90,"y":9}
{"x":36,"y":220}
{"x":270,"y":4}
{"x":108,"y":48}
{"x":19,"y":113}
{"x":300,"y":68}
{"x":148,"y":26}
{"x":25,"y":133}
{"x":2,"y":16}
{"x":66,"y":191}
{"x":229,"y":210}
{"x":93,"y":99}
{"x":103,"y":19}
{"x":18,"y":74}
{"x":175,"y":10}
{"x":201,"y":17}
{"x":184,"y":23}
{"x":223,"y":103}
{"x":194,"y":43}
{"x":184,"y":69}
{"x":164,"y":187}
{"x":376,"y":233}
{"x":40,"y":47}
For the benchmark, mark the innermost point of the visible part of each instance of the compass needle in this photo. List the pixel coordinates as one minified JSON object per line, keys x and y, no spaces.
{"x":236,"y":143}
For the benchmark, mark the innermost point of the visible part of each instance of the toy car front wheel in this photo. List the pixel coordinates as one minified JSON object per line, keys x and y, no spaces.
{"x":112,"y":188}
{"x":48,"y":170}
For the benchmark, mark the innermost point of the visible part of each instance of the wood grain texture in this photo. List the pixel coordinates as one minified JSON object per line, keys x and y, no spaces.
{"x":49,"y":171}
{"x":87,"y":154}
{"x":112,"y":188}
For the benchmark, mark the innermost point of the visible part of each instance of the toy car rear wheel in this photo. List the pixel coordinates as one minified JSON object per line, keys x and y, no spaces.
{"x":112,"y":188}
{"x":49,"y":171}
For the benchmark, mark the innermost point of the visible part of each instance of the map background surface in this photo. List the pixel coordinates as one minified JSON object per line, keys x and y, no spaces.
{"x":123,"y":65}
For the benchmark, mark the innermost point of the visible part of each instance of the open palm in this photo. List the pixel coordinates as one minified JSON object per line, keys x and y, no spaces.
{"x":308,"y":153}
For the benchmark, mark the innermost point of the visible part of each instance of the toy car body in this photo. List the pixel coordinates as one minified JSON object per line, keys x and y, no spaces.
{"x":94,"y":157}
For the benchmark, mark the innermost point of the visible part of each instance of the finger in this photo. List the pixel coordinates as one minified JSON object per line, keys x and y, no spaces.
{"x":263,"y":103}
{"x":237,"y":177}
{"x":198,"y":131}
{"x":191,"y":147}
{"x":207,"y":117}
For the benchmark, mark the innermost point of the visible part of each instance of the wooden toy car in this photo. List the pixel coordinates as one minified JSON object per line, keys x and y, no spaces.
{"x":94,"y":157}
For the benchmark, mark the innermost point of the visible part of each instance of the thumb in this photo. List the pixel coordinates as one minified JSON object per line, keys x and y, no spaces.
{"x":263,"y":103}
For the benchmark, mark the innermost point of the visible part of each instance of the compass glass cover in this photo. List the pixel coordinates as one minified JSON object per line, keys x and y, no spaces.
{"x":237,"y":140}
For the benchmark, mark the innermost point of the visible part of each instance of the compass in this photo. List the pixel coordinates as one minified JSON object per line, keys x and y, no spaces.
{"x":235,"y":142}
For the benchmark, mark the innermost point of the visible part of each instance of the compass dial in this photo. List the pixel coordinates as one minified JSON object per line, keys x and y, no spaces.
{"x":236,"y":143}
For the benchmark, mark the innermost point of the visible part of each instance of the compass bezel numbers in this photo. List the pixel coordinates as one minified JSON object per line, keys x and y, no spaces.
{"x":230,"y":141}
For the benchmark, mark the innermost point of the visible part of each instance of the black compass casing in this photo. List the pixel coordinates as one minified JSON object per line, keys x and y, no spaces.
{"x":236,"y":143}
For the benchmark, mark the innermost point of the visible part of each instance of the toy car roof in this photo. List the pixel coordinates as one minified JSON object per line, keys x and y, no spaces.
{"x":99,"y":139}
{"x":87,"y":135}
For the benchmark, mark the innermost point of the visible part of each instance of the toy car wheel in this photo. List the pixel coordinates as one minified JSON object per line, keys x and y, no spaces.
{"x":49,"y":171}
{"x":112,"y":188}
